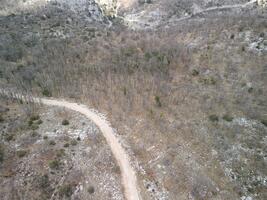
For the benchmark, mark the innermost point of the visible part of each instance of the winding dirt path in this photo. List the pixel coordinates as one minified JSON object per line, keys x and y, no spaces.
{"x":218,"y":8}
{"x":137,"y":17}
{"x":129,"y":181}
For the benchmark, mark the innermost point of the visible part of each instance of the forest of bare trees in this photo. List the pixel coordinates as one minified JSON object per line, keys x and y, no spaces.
{"x":173,"y":86}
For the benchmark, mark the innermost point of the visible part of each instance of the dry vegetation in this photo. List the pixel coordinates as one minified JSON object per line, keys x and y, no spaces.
{"x":37,"y":164}
{"x":190,"y":100}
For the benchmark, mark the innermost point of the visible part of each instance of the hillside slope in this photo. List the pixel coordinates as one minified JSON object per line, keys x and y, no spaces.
{"x":183,"y":82}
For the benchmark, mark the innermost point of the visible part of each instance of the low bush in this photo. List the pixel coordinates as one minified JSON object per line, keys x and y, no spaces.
{"x":158,"y":102}
{"x":9,"y":137}
{"x":54,"y":164}
{"x":34,"y":122}
{"x":21,"y":153}
{"x":264,"y":122}
{"x":34,"y":134}
{"x":65,"y":190}
{"x":34,"y":118}
{"x":39,"y":121}
{"x":208,"y":81}
{"x":52,"y":142}
{"x":124,"y":91}
{"x":250,"y":90}
{"x":66,"y":144}
{"x":228,"y":118}
{"x":91,"y":190}
{"x":116,"y":169}
{"x":34,"y":127}
{"x":1,"y":153}
{"x":30,"y":123}
{"x":43,"y":181}
{"x":60,"y":153}
{"x":1,"y":119}
{"x":73,"y":142}
{"x":46,"y":93}
{"x":195,"y":72}
{"x":213,"y":118}
{"x":65,"y":122}
{"x":13,"y":54}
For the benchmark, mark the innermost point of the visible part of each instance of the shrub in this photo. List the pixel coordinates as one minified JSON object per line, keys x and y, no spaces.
{"x":45,"y":137}
{"x":209,"y":81}
{"x":1,"y":119}
{"x":158,"y":103}
{"x":264,"y":122}
{"x":34,"y":127}
{"x":13,"y":54}
{"x":30,"y":123}
{"x":214,"y":118}
{"x":124,"y":91}
{"x":60,"y":153}
{"x":65,"y":190}
{"x":34,"y":121}
{"x":52,"y":142}
{"x":65,"y":122}
{"x":46,"y":93}
{"x":66,"y":145}
{"x":20,"y":66}
{"x":91,"y":190}
{"x":250,"y":90}
{"x":39,"y":121}
{"x":116,"y":169}
{"x":43,"y":181}
{"x":151,"y":113}
{"x":228,"y":118}
{"x":195,"y":72}
{"x":54,"y":164}
{"x":147,"y":56}
{"x":9,"y":137}
{"x":34,"y":134}
{"x":21,"y":153}
{"x":34,"y":118}
{"x":73,"y":142}
{"x":1,"y":153}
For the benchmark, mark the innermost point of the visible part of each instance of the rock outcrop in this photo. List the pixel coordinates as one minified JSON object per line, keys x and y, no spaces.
{"x":262,"y":3}
{"x":108,"y":7}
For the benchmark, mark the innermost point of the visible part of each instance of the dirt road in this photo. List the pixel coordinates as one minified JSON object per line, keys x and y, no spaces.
{"x":128,"y":175}
{"x":129,"y":181}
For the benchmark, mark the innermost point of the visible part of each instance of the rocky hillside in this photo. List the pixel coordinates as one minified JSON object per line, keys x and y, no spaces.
{"x":154,"y":13}
{"x":50,"y":153}
{"x":80,"y":7}
{"x":183,"y":82}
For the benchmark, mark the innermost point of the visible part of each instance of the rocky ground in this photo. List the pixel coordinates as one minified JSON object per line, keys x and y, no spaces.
{"x":157,"y":13}
{"x":188,"y":97}
{"x":51,"y":153}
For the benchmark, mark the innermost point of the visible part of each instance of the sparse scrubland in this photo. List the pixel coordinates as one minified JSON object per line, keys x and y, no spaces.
{"x":38,"y":165}
{"x":187,"y":99}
